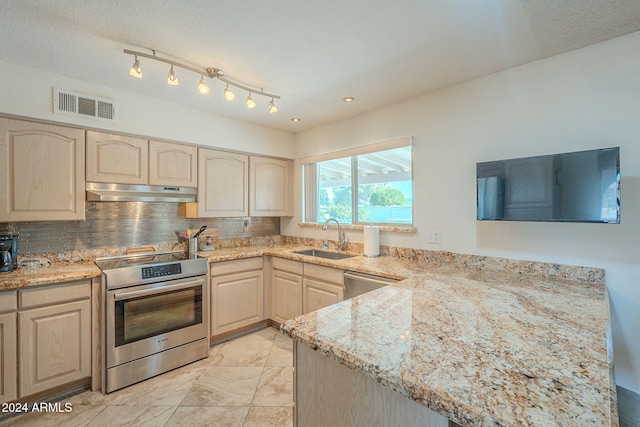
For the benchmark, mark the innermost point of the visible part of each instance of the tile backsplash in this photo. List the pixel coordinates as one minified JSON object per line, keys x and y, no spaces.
{"x":122,"y":224}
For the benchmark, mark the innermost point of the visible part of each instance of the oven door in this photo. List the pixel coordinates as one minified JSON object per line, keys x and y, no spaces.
{"x":148,"y":319}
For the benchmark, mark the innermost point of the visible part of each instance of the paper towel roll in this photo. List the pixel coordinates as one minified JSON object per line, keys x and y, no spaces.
{"x":371,"y":240}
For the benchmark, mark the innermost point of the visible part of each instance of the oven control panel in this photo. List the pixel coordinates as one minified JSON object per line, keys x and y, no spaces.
{"x":161,"y":270}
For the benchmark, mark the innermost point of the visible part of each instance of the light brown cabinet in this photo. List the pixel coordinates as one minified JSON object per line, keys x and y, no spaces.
{"x":270,"y":186}
{"x":54,"y":343}
{"x":173,"y":164}
{"x":223,"y":184}
{"x":42,"y":172}
{"x":8,"y":339}
{"x":120,"y":159}
{"x":117,"y":159}
{"x":236,"y":294}
{"x":322,"y":286}
{"x":286,"y":289}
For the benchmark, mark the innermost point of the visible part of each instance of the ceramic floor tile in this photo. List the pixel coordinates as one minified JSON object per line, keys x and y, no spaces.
{"x":244,"y":351}
{"x":192,"y":416}
{"x":282,"y":337}
{"x":281,"y":354}
{"x":224,"y":386}
{"x":78,"y":416}
{"x":266,"y":334}
{"x":217,"y":391}
{"x":275,"y":387}
{"x":134,"y":416}
{"x":269,"y":417}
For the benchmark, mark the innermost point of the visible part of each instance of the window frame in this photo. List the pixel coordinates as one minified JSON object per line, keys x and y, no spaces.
{"x":353,"y":154}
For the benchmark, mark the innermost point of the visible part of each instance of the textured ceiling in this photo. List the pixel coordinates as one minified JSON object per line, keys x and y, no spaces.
{"x":311,"y":53}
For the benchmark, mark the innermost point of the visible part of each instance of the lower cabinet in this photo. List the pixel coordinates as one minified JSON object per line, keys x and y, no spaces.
{"x":54,"y":326}
{"x":8,"y":339}
{"x":322,"y":286}
{"x":237,"y":291}
{"x":286,"y":289}
{"x":299,"y":288}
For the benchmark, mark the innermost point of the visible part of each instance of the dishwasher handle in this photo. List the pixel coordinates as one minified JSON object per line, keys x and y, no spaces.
{"x":369,"y":278}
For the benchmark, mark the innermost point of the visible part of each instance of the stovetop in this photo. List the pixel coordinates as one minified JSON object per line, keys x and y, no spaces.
{"x":131,"y":270}
{"x":125,"y":261}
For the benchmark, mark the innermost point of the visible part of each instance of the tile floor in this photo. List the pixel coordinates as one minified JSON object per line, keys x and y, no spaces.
{"x":245,"y":382}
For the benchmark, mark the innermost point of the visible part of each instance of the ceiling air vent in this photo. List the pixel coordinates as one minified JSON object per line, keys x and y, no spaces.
{"x":80,"y":105}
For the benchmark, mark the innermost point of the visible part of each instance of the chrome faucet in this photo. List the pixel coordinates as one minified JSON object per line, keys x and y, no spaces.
{"x":340,"y":232}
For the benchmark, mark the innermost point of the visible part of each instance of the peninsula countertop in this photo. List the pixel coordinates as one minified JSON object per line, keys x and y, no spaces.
{"x":482,"y":348}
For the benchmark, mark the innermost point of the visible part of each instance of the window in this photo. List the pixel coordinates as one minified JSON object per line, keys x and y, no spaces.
{"x":369,"y":185}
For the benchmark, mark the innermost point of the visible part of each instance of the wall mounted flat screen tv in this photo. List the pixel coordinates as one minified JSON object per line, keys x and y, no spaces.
{"x":583,"y":186}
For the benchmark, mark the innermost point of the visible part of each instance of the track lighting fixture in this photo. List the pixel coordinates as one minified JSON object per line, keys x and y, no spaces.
{"x":228,"y":94}
{"x":203,"y":88}
{"x":251,"y":104}
{"x":172,"y":79}
{"x":135,"y":70}
{"x":272,"y":107}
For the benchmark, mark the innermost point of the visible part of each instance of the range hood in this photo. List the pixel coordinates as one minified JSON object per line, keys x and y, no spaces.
{"x":101,"y":192}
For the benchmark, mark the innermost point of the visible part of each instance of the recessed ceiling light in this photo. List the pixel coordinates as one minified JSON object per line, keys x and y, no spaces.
{"x":295,"y":119}
{"x":348,"y":99}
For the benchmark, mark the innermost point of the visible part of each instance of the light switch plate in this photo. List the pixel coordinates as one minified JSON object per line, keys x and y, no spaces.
{"x":433,"y":236}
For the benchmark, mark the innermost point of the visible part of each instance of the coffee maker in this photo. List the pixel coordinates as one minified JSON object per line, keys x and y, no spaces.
{"x":8,"y":252}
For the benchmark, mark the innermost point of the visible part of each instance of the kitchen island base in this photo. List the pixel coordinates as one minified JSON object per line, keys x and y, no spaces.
{"x":327,"y":393}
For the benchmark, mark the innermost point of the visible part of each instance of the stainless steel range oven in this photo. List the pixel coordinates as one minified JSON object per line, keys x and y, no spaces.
{"x":155,"y":316}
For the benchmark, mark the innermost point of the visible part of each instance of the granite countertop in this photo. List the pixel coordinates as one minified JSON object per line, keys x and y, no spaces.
{"x":482,"y":348}
{"x":48,"y":274}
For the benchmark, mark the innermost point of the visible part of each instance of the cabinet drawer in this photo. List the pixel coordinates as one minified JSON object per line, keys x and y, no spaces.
{"x":235,"y":266}
{"x":57,"y":294}
{"x":8,"y":301}
{"x":327,"y":274}
{"x":295,"y":267}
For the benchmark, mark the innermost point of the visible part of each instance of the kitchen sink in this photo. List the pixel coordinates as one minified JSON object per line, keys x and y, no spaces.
{"x":323,"y":254}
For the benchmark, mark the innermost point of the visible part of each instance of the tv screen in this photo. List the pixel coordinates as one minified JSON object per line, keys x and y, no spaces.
{"x":583,"y":186}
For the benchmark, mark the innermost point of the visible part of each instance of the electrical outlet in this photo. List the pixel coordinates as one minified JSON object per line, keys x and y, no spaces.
{"x":433,"y":236}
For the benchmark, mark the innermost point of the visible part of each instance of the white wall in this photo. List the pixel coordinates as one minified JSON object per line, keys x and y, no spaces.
{"x":585,"y":99}
{"x":28,"y":92}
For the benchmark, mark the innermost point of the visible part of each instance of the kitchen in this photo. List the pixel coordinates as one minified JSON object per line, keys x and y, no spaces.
{"x":576,"y":100}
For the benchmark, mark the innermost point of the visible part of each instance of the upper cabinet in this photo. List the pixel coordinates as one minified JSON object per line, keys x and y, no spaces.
{"x":233,"y":184}
{"x":173,"y":164}
{"x":270,"y":186}
{"x":117,"y":159}
{"x":42,"y":177}
{"x":223,"y":184}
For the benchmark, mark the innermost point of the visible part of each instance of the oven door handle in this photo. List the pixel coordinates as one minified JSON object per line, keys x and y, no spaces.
{"x":154,"y":291}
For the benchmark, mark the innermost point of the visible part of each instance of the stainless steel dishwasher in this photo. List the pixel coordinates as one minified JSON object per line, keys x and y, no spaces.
{"x":359,"y":283}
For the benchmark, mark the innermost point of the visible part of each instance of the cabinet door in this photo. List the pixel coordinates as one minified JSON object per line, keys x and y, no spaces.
{"x":173,"y":164}
{"x":236,"y":301}
{"x":42,"y":174}
{"x":286,"y":301}
{"x":55,"y":346}
{"x":222,"y":184}
{"x":8,"y":357}
{"x":317,"y":294}
{"x":117,"y":159}
{"x":270,"y":187}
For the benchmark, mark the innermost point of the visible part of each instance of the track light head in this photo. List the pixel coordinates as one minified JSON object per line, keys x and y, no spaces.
{"x":202,"y":86}
{"x":136,"y":70}
{"x":228,"y":94}
{"x":272,"y":107}
{"x":172,"y":79}
{"x":251,"y":104}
